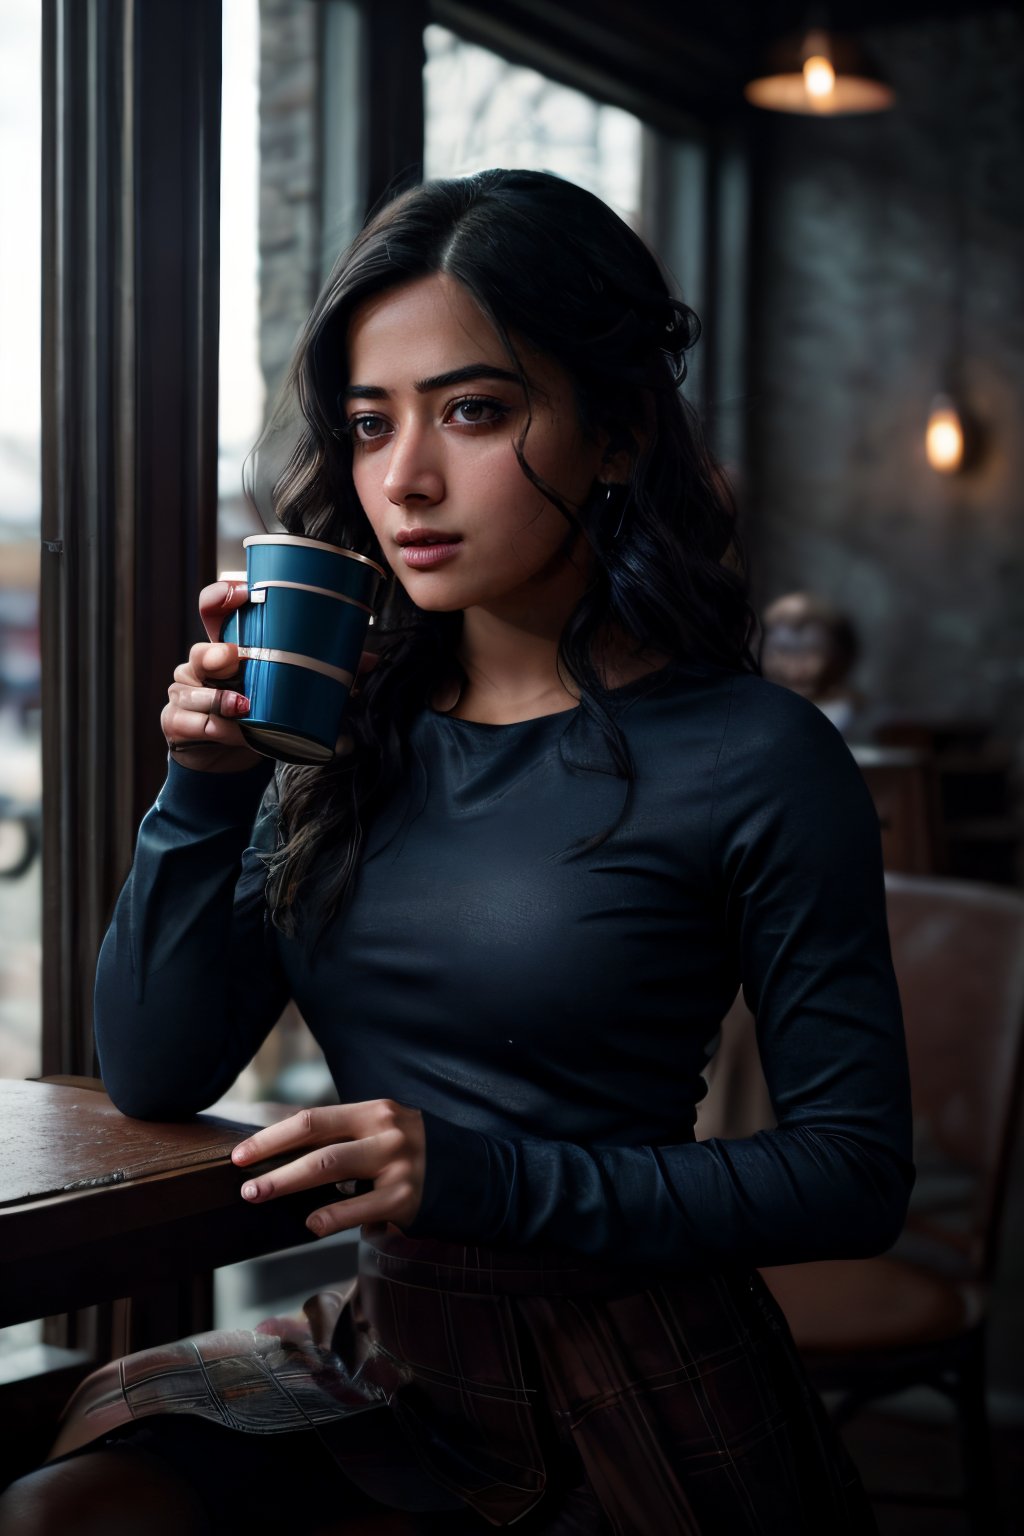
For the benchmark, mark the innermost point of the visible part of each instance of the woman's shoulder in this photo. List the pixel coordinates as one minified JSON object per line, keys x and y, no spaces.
{"x":749,"y":728}
{"x":780,"y":722}
{"x":686,"y":687}
{"x":781,"y":760}
{"x":750,"y":700}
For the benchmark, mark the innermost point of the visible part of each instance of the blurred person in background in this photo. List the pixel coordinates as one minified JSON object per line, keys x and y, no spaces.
{"x":811,"y":647}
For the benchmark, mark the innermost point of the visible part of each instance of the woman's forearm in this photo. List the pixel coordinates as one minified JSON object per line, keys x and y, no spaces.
{"x":779,"y":1197}
{"x":188,"y":984}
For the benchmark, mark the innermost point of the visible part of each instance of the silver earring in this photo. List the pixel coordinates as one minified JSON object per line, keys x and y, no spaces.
{"x":609,"y":494}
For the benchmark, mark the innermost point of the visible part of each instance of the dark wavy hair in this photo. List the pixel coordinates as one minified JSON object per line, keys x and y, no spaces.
{"x":552,"y":267}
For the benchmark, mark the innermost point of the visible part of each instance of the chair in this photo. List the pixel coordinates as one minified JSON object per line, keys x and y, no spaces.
{"x":916,"y":1316}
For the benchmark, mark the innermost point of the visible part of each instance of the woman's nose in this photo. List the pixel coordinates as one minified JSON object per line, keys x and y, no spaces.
{"x":413,"y":473}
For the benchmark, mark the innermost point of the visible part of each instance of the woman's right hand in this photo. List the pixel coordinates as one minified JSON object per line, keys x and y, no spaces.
{"x":199,"y":718}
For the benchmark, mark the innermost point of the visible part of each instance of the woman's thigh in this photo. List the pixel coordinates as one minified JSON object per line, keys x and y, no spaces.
{"x":102,"y":1493}
{"x":176,"y":1472}
{"x":172,"y":1475}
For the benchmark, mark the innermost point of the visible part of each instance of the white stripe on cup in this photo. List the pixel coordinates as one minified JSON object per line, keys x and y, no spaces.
{"x":294,"y":538}
{"x":300,"y":586}
{"x":293,"y":659}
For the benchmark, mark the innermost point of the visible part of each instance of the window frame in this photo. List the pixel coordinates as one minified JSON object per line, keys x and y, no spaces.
{"x":129,"y":443}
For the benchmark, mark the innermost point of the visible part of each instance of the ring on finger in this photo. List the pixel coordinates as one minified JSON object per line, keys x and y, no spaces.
{"x":217,"y":707}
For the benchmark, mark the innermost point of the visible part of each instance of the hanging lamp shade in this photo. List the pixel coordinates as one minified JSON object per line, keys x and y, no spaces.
{"x":820,"y":75}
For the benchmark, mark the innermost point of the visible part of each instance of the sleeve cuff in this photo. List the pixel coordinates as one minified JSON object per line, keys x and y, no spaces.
{"x":467,"y":1184}
{"x":212,"y":800}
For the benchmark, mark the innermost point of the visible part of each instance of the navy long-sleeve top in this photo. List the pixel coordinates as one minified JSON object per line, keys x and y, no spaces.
{"x":550,"y":1008}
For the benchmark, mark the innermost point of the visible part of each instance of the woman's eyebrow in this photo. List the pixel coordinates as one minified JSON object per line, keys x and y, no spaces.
{"x":438,"y":381}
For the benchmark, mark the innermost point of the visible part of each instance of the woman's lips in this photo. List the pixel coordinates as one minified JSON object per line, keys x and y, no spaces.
{"x":423,"y":557}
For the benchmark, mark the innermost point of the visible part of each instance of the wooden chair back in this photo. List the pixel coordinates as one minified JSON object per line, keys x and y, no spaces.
{"x":958,"y":950}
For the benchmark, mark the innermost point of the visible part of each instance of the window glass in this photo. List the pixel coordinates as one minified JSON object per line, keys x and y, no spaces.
{"x":20,"y":341}
{"x":482,"y":111}
{"x":241,"y":387}
{"x":285,"y":203}
{"x":272,"y":213}
{"x":242,"y":392}
{"x":20,"y":758}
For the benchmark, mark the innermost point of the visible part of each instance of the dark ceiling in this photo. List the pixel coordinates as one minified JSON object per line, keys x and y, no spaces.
{"x":665,"y":60}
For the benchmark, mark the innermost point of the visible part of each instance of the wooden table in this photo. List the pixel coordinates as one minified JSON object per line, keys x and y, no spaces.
{"x":96,"y":1207}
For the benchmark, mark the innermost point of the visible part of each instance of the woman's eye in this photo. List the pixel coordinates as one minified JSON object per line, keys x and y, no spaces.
{"x":367,"y":429}
{"x":476,"y":411}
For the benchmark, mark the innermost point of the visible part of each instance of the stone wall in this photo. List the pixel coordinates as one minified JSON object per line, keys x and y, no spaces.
{"x":856,"y":250}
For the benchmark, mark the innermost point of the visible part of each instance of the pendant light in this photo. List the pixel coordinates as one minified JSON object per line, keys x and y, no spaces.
{"x":820,"y":75}
{"x":944,"y":436}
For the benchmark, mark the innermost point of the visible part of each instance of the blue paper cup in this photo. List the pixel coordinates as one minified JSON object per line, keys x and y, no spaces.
{"x":299,"y":638}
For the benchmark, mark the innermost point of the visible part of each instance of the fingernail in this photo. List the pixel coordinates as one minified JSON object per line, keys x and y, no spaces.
{"x":315,"y":1224}
{"x":242,"y":1152}
{"x":241,"y":704}
{"x":250,"y":1191}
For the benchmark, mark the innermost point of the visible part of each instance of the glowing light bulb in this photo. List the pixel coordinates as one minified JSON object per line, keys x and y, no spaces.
{"x":819,"y":77}
{"x":944,"y":436}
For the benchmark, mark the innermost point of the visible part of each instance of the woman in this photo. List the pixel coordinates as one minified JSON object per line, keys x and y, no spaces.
{"x":572,"y":819}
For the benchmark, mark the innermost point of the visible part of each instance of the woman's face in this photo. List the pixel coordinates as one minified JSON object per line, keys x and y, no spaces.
{"x":434,"y":410}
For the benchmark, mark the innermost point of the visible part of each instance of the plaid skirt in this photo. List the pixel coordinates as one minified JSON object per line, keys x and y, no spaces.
{"x":488,"y":1379}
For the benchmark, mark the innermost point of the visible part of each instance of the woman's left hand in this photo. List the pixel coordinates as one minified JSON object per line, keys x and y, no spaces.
{"x":378,"y":1141}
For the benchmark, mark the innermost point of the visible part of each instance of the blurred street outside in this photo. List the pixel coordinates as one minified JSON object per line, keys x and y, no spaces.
{"x":20,"y":910}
